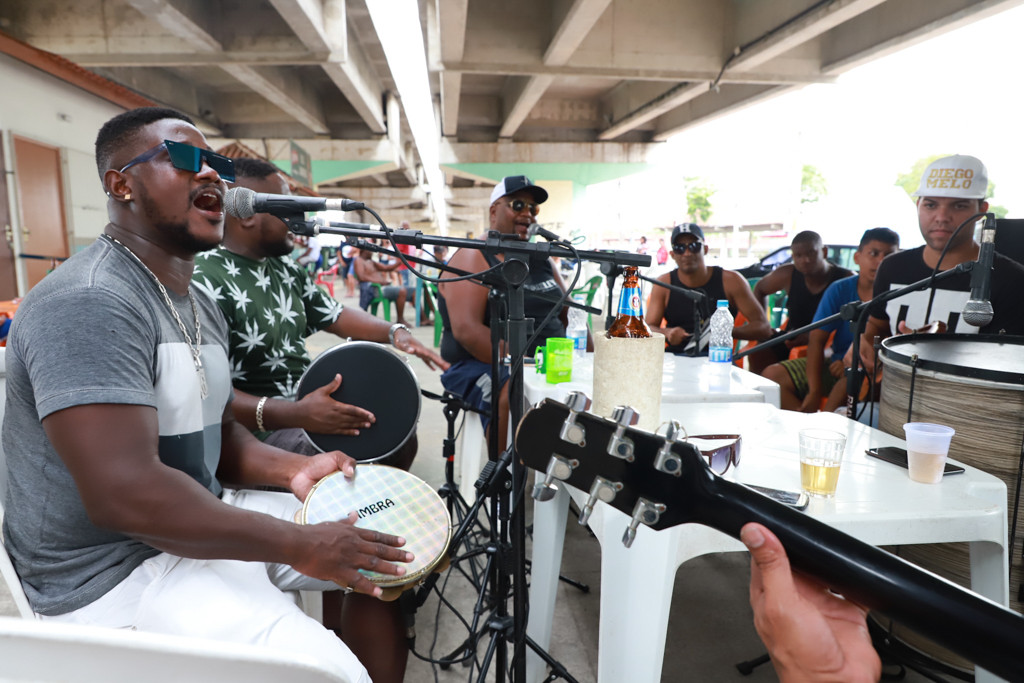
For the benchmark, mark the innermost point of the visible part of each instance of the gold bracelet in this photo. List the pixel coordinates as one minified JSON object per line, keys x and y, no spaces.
{"x":259,"y":414}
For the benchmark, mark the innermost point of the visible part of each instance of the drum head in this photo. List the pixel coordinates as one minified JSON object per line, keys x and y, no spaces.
{"x":996,"y":358}
{"x":391,"y":501}
{"x":377,"y":379}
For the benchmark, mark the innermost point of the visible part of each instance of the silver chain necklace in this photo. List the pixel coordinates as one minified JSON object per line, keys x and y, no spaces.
{"x":194,"y":348}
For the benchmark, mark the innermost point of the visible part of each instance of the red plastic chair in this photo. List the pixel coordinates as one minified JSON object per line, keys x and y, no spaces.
{"x":321,"y":278}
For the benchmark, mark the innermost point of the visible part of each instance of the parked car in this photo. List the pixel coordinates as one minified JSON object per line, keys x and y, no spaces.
{"x":840,"y":254}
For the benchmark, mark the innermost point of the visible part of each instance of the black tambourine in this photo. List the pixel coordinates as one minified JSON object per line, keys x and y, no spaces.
{"x":373,"y":377}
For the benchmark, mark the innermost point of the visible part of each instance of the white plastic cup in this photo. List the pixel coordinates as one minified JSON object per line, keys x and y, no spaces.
{"x":821,"y":455}
{"x":927,"y":448}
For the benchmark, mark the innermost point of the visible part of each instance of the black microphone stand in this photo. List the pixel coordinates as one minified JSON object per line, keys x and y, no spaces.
{"x":854,"y":313}
{"x":694,"y":295}
{"x":508,"y":503}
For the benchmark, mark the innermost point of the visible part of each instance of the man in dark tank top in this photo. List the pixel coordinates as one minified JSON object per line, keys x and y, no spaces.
{"x":804,"y":281}
{"x":676,"y":315}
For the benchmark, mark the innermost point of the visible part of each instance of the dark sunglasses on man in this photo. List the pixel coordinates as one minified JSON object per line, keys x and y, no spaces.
{"x":518,"y":205}
{"x":721,"y":457}
{"x":187,"y":158}
{"x":694,"y":247}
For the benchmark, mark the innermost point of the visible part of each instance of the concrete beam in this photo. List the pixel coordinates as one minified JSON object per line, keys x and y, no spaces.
{"x":281,"y":89}
{"x":632,"y":74}
{"x":579,"y":19}
{"x":508,"y":152}
{"x":183,"y":18}
{"x":451,"y":15}
{"x":674,"y":98}
{"x":306,"y":20}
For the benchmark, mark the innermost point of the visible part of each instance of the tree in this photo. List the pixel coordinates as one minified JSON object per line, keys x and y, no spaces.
{"x":812,"y":185}
{"x":911,"y":180}
{"x":698,"y":200}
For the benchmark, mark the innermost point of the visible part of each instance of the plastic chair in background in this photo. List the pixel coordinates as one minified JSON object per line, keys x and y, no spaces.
{"x":326,"y":278}
{"x":587,"y":292}
{"x":377,"y":299}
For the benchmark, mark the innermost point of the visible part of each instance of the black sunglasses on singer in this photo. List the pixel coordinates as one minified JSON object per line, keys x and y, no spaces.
{"x":186,"y":157}
{"x":694,"y":247}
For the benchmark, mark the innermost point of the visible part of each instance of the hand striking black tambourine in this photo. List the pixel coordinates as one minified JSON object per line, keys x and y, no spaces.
{"x":373,"y":377}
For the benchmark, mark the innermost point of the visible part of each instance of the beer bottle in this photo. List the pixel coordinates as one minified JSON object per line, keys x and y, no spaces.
{"x":629,"y":323}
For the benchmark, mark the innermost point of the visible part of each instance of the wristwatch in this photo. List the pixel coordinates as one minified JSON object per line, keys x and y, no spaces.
{"x":394,"y":329}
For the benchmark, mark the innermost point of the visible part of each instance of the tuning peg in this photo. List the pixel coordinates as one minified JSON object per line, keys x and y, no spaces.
{"x":644,"y":512}
{"x":619,"y":445}
{"x":667,"y":461}
{"x":559,"y":467}
{"x":574,"y":433}
{"x":601,"y":489}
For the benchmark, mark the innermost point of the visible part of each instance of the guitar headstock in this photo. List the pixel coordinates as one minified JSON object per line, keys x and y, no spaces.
{"x":657,"y":480}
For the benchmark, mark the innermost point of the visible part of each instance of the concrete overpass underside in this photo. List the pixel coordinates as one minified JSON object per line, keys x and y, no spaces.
{"x":576,"y":90}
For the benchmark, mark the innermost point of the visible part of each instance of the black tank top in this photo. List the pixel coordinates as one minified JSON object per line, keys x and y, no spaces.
{"x":801,"y":304}
{"x":679,"y":310}
{"x":540,"y":281}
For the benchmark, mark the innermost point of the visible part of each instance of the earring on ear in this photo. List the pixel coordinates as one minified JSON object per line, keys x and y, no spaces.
{"x":128,"y":197}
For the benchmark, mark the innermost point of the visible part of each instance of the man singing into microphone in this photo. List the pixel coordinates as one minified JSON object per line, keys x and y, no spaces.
{"x":466,"y":342}
{"x":952,"y":190}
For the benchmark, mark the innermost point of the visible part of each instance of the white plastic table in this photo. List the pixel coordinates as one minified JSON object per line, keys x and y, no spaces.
{"x":875,"y":502}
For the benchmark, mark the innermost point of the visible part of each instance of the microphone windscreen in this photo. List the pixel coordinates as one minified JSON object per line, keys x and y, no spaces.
{"x":239,"y":202}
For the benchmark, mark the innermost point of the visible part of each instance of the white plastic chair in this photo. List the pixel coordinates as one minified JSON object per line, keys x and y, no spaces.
{"x":42,"y":651}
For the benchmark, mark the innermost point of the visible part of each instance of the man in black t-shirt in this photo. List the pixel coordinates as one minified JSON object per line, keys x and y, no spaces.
{"x":676,"y":310}
{"x":804,"y":281}
{"x":952,"y":190}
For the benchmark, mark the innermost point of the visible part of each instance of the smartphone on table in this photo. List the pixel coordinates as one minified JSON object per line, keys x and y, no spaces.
{"x":898,"y":456}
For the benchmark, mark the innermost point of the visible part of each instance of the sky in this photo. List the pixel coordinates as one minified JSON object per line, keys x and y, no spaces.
{"x":958,"y":93}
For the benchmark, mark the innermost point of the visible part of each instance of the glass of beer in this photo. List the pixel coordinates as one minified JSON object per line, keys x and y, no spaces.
{"x":821,"y":453}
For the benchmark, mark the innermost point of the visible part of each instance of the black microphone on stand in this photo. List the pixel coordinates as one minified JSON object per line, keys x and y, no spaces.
{"x":978,"y":309}
{"x":537,"y":229}
{"x":241,"y":202}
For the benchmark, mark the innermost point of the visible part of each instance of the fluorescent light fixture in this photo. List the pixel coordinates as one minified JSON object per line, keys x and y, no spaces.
{"x":397,"y":23}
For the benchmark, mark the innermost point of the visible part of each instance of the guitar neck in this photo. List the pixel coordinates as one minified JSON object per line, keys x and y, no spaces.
{"x":964,"y":622}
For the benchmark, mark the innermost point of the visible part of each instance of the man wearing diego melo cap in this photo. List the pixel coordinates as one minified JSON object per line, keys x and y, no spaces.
{"x":952,"y":190}
{"x":466,"y":341}
{"x":676,"y":311}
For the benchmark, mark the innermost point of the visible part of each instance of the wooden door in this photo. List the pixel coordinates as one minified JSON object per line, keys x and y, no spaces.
{"x":40,"y":188}
{"x":8,"y":280}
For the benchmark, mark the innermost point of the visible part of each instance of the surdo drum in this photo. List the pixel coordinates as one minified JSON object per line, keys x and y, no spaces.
{"x":975,"y":384}
{"x":373,"y":377}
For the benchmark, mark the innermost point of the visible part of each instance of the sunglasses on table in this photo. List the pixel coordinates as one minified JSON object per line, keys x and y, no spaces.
{"x":187,"y":158}
{"x":692,"y":246}
{"x":721,"y":457}
{"x":518,"y":205}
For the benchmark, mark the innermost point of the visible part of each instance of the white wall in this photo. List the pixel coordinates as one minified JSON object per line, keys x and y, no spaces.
{"x":43,"y":108}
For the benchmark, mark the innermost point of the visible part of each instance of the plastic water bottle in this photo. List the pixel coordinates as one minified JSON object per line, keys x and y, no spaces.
{"x":720,"y":343}
{"x":577,"y":331}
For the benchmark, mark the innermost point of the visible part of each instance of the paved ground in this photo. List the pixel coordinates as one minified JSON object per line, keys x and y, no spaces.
{"x":709,"y":631}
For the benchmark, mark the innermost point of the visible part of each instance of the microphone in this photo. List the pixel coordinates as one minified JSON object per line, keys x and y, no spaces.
{"x":537,"y":229}
{"x":241,"y":202}
{"x":978,"y":309}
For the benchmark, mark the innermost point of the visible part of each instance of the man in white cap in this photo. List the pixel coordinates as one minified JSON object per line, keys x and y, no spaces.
{"x":952,"y":191}
{"x":466,"y":341}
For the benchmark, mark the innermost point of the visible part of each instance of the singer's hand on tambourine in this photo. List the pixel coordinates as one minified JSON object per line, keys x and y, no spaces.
{"x":811,"y":634}
{"x":321,"y":414}
{"x":408,"y":343}
{"x":316,"y":467}
{"x":338,"y":550}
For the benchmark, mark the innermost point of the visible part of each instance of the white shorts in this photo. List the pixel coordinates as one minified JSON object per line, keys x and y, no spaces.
{"x":228,"y":600}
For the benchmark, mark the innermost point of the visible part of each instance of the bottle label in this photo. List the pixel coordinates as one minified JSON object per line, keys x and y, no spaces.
{"x":579,"y":340}
{"x":720,"y":354}
{"x":630,"y":303}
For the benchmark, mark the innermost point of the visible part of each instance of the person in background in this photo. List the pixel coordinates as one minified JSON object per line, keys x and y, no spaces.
{"x":804,"y":281}
{"x":803,"y":382}
{"x":309,"y":256}
{"x":812,"y":634}
{"x":952,"y":191}
{"x":370,"y":272}
{"x":662,"y":252}
{"x":673,"y":314}
{"x":642,"y":248}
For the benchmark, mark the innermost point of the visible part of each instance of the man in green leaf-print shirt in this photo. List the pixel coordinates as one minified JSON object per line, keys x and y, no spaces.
{"x":272,"y":305}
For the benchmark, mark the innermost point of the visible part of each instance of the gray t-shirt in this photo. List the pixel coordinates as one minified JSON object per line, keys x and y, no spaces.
{"x":97,"y":330}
